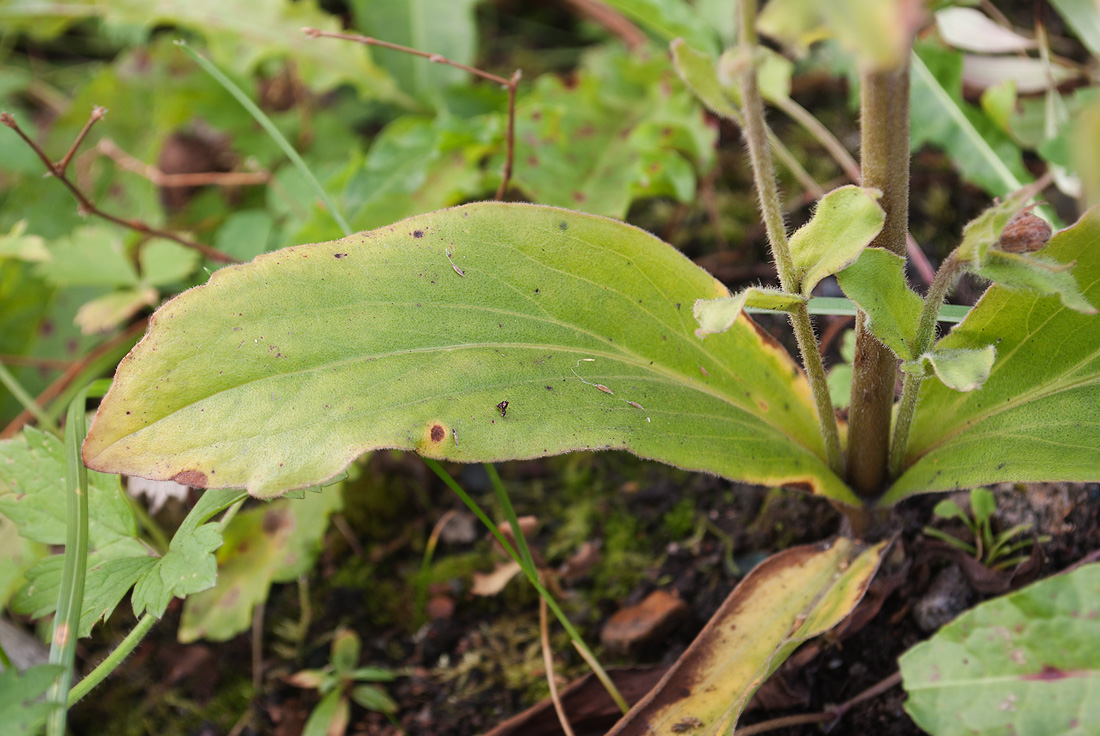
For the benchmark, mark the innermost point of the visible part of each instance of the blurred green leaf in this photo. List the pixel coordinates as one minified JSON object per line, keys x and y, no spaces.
{"x":111,"y":310}
{"x":669,"y":19}
{"x":245,"y":234}
{"x":274,"y":543}
{"x":91,"y":256}
{"x":22,"y":710}
{"x":164,"y":262}
{"x":1083,"y":17}
{"x":983,"y":154}
{"x":1022,"y":663}
{"x":24,"y":247}
{"x":330,"y":717}
{"x":591,"y":145}
{"x":444,"y":27}
{"x":373,"y":698}
{"x":876,"y":30}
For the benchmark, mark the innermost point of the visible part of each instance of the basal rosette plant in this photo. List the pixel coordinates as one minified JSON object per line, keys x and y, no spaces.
{"x":498,"y":331}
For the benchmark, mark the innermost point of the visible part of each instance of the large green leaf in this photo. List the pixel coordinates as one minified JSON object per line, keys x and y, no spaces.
{"x":796,"y":595}
{"x":1035,"y":418}
{"x":277,"y":374}
{"x":1024,"y":663}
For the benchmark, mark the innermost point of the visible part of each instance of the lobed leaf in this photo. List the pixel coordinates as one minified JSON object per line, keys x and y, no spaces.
{"x":1022,"y":663}
{"x":22,"y":710}
{"x":271,"y":544}
{"x":1035,"y":417}
{"x":790,"y":597}
{"x":277,"y":374}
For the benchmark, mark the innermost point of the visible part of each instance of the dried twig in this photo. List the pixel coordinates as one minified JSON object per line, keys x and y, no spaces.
{"x":49,"y":364}
{"x":827,"y":716}
{"x":87,"y":207}
{"x":611,"y":19}
{"x":548,"y":660}
{"x":71,"y":373}
{"x":126,"y":162}
{"x":508,"y":84}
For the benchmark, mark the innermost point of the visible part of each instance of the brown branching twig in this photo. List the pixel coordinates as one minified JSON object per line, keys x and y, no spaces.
{"x":71,"y":373}
{"x":87,"y":207}
{"x":49,"y":364}
{"x":827,"y":716}
{"x":508,"y":84}
{"x":126,"y":162}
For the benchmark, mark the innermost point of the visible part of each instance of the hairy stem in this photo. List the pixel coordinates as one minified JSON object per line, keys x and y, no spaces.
{"x":884,"y":110}
{"x":755,"y":131}
{"x":945,"y":279}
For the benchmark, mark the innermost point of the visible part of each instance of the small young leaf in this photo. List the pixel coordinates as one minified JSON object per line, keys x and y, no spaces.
{"x":718,"y":315}
{"x":21,"y":709}
{"x":373,"y":698}
{"x":961,"y":370}
{"x":948,"y":509}
{"x":345,"y":651}
{"x":371,"y":674}
{"x":1016,"y":270}
{"x":773,"y":73}
{"x":330,"y":717}
{"x":845,"y":222}
{"x":876,"y":282}
{"x":1013,"y":662}
{"x":669,"y":19}
{"x":982,"y":504}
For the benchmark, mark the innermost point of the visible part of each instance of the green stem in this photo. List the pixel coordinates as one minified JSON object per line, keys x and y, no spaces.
{"x":113,"y":660}
{"x":27,"y":401}
{"x":884,"y":110}
{"x":533,"y":577}
{"x":755,"y":131}
{"x":945,"y":279}
{"x":70,"y":598}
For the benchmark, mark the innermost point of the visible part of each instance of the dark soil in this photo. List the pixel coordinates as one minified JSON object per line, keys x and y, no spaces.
{"x":478,"y":662}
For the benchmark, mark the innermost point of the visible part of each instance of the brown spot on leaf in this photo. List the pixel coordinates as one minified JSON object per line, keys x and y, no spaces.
{"x":193,"y":478}
{"x":1048,"y":674}
{"x":418,"y":233}
{"x":438,"y":433}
